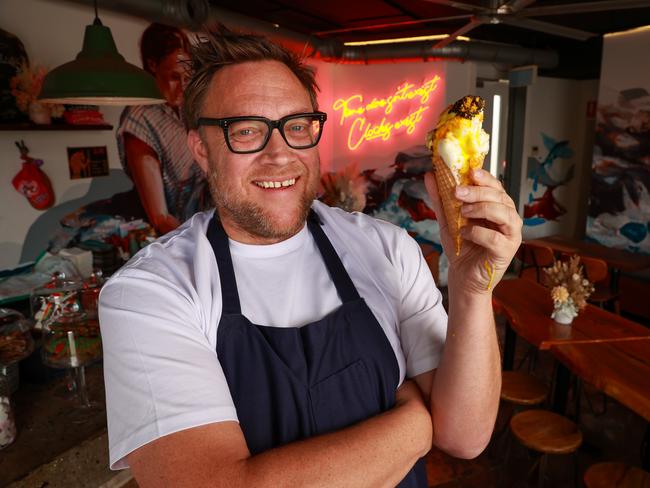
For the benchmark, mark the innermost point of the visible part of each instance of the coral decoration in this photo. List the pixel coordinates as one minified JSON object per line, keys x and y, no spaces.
{"x":345,"y":189}
{"x":26,"y":86}
{"x":569,"y":288}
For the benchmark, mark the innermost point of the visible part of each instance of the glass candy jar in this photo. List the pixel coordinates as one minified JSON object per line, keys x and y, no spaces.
{"x":56,"y":298}
{"x":16,"y":341}
{"x":89,"y":294}
{"x":71,"y":341}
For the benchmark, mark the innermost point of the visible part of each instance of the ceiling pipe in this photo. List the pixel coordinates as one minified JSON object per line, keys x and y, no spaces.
{"x":332,"y":51}
{"x":184,"y":13}
{"x":197,"y":13}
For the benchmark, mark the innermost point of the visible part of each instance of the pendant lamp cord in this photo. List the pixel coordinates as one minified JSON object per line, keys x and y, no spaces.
{"x":96,"y":21}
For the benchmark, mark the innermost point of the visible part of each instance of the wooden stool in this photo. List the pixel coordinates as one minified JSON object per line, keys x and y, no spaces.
{"x":546,"y":433}
{"x":616,"y":475}
{"x":521,"y":388}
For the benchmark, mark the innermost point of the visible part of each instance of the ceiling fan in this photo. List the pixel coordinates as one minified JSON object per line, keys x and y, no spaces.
{"x":518,"y":12}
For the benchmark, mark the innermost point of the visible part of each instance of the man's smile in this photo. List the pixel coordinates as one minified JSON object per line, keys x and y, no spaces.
{"x":275,"y":183}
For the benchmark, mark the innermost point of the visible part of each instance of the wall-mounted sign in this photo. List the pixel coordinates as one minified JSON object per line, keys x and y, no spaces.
{"x":364,"y":120}
{"x":86,"y":162}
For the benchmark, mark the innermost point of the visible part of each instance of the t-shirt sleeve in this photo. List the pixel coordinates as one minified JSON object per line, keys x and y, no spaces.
{"x":137,"y":123}
{"x":421,"y":315}
{"x":161,"y":373}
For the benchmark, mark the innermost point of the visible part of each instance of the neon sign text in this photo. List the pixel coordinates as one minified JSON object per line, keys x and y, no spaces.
{"x":362,"y":130}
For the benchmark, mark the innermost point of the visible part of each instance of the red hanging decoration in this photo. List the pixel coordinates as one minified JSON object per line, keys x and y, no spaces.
{"x":32,"y":182}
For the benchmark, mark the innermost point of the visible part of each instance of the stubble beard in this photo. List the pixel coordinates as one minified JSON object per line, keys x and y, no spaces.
{"x":252,"y":218}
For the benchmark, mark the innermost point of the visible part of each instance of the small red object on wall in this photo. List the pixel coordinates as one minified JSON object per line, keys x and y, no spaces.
{"x":32,"y":182}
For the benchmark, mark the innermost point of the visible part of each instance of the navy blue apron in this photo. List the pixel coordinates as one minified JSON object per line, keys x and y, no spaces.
{"x":293,"y":383}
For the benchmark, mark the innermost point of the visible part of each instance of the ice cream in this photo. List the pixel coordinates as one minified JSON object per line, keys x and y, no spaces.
{"x":458,"y":145}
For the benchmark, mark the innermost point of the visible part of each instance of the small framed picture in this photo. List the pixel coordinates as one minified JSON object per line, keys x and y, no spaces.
{"x":87,"y":162}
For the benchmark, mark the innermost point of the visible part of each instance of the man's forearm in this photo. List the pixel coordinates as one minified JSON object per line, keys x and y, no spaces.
{"x":468,"y":380}
{"x":377,"y":452}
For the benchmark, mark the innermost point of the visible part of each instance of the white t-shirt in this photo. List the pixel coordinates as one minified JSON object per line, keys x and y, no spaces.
{"x":159,"y":315}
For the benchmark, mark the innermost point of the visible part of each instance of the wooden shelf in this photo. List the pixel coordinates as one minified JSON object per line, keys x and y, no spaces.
{"x":29,"y":126}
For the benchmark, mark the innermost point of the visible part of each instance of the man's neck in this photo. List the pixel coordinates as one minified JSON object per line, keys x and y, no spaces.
{"x":243,"y":236}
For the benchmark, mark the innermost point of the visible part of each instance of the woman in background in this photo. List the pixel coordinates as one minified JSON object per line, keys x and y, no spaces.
{"x":151,"y":139}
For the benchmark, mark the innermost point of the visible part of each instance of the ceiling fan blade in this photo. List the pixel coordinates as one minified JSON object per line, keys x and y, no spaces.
{"x":546,"y":27}
{"x":473,"y":23}
{"x":392,"y":24}
{"x":514,"y":6}
{"x":459,"y":5}
{"x":578,"y":8}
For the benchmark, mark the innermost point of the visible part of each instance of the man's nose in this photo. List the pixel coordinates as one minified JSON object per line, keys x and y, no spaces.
{"x":277,"y":149}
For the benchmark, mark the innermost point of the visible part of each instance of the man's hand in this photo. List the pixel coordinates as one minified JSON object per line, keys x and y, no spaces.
{"x":490,"y":238}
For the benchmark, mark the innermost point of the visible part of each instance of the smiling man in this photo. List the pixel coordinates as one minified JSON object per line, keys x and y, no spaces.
{"x":279,"y":342}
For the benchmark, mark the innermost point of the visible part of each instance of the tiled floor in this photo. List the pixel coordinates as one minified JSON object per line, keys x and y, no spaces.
{"x":614,"y":435}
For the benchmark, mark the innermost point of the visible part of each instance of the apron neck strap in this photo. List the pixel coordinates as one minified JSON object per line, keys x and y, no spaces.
{"x":221,"y":248}
{"x":346,"y":289}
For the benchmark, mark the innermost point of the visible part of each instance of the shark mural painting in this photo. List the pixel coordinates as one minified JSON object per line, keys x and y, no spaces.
{"x":546,"y":176}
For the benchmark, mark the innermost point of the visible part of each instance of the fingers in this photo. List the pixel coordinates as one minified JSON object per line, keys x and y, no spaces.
{"x":504,"y":216}
{"x":484,"y":237}
{"x":488,"y":189}
{"x":484,"y":178}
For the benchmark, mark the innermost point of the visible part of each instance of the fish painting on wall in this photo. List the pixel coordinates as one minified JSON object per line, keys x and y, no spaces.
{"x":547,"y":174}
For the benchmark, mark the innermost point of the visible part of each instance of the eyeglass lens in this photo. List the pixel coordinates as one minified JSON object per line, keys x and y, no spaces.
{"x":251,"y":135}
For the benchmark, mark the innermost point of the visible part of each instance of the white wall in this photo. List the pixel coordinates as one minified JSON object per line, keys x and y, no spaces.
{"x":52,"y":33}
{"x":558,"y":108}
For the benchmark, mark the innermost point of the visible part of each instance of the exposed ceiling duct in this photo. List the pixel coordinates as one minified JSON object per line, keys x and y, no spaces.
{"x":426,"y":51}
{"x":197,"y":13}
{"x":184,"y":13}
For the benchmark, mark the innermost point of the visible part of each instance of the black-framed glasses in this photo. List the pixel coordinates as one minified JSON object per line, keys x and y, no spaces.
{"x":250,"y":134}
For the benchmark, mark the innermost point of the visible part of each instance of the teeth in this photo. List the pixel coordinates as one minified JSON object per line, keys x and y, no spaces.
{"x":276,"y":184}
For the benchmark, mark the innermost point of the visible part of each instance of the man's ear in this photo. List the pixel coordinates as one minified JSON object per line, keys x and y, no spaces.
{"x":198,"y":149}
{"x":151,"y":66}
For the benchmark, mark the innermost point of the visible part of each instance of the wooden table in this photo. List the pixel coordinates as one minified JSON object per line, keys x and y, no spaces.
{"x":617,"y":259}
{"x":527,"y":307}
{"x":619,"y":369}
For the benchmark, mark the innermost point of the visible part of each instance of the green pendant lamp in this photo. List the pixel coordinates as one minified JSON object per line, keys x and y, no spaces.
{"x":99,"y":75}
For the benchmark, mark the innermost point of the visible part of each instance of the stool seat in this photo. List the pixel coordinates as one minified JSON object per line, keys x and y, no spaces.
{"x":616,"y":475}
{"x":546,"y":432}
{"x":521,"y":388}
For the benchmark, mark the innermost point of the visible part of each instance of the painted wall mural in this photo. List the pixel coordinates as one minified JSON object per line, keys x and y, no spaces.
{"x":547,"y":174}
{"x":619,"y":203}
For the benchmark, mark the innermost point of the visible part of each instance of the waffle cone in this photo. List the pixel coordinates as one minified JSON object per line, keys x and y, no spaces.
{"x":450,"y":204}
